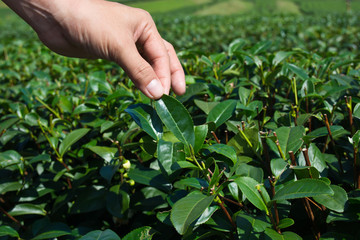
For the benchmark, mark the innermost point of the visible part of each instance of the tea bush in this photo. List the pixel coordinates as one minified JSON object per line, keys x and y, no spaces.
{"x":263,"y":145}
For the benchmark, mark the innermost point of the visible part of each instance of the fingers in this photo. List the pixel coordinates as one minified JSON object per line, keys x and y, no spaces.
{"x":177,"y":73}
{"x":140,"y":72}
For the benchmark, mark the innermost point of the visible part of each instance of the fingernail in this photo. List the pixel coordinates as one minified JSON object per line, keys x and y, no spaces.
{"x":155,"y":88}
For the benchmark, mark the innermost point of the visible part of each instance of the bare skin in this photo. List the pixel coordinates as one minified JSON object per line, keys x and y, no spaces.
{"x":107,"y":30}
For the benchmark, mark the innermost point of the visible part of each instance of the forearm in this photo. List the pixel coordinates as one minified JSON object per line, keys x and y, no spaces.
{"x":34,"y":12}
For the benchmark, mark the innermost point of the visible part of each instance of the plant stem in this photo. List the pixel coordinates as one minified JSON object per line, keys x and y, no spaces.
{"x":292,"y":157}
{"x":216,"y":138}
{"x":310,"y":213}
{"x":11,"y":217}
{"x":279,"y":148}
{"x":272,"y":185}
{"x":269,"y":213}
{"x":233,"y":224}
{"x":349,"y":107}
{"x":226,"y":136}
{"x":333,"y":143}
{"x":48,"y":107}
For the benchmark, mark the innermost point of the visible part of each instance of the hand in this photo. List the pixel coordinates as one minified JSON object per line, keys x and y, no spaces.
{"x":107,"y":30}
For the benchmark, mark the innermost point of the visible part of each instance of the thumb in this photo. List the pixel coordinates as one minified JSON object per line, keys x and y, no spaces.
{"x":140,"y":71}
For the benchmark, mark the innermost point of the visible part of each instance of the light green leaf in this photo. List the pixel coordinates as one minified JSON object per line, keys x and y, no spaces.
{"x":285,"y":222}
{"x":143,"y":233}
{"x":168,"y":155}
{"x":188,"y":209}
{"x":106,"y":153}
{"x":146,"y":117}
{"x":176,"y":118}
{"x":248,"y":187}
{"x":280,"y":56}
{"x":316,"y":158}
{"x":206,"y":107}
{"x":303,"y":188}
{"x":301,"y":73}
{"x":200,"y":135}
{"x":8,"y":231}
{"x":72,"y":138}
{"x":27,"y":209}
{"x":9,"y":186}
{"x":221,"y":112}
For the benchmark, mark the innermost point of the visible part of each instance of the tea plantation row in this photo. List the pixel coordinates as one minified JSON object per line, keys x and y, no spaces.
{"x":263,"y":145}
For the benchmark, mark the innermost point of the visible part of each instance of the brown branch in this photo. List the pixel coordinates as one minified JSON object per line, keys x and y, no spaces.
{"x":333,"y":143}
{"x":292,"y":157}
{"x":9,"y":216}
{"x":216,"y":138}
{"x":310,"y":213}
{"x":275,"y":204}
{"x":233,"y":224}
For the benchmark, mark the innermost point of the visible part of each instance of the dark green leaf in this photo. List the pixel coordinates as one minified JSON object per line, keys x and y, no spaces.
{"x":305,"y":172}
{"x":101,"y":235}
{"x":285,"y":223}
{"x":150,"y":177}
{"x":303,"y":188}
{"x":168,"y":155}
{"x":146,"y":117}
{"x":10,"y":186}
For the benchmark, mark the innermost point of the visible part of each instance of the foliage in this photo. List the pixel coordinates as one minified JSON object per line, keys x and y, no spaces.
{"x":264,"y":144}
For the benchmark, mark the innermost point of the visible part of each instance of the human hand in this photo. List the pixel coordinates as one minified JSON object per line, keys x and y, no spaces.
{"x":107,"y":30}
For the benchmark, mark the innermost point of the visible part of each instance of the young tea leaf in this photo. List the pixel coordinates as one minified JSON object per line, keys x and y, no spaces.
{"x":176,"y":118}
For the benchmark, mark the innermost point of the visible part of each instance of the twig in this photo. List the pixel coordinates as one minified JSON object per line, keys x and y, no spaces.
{"x":278,"y":147}
{"x":310,"y":213}
{"x":221,"y":204}
{"x":292,"y":157}
{"x":333,"y":143}
{"x":226,"y":136}
{"x":272,"y":185}
{"x":11,"y":217}
{"x":216,"y":138}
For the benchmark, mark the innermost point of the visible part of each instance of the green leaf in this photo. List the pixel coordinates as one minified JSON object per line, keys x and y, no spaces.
{"x":117,"y":201}
{"x":146,"y":117}
{"x":177,"y":119}
{"x":316,"y":158}
{"x":303,"y":188}
{"x":188,"y":209}
{"x":336,"y":131}
{"x":248,"y":187}
{"x":244,"y":95}
{"x":168,"y":155}
{"x":8,"y":231}
{"x":101,"y":235}
{"x":334,"y":202}
{"x":246,"y":170}
{"x":53,"y":230}
{"x":9,"y":158}
{"x":301,"y":73}
{"x":106,"y":153}
{"x":150,"y":177}
{"x":27,"y":209}
{"x":285,"y":223}
{"x":224,"y":150}
{"x":200,"y":136}
{"x":222,"y":112}
{"x":273,"y":235}
{"x":10,"y":186}
{"x":143,"y":233}
{"x":206,"y":107}
{"x":356,"y":111}
{"x":72,"y":138}
{"x":290,"y":139}
{"x":7,"y":123}
{"x":278,"y":166}
{"x":197,"y":183}
{"x":305,"y":172}
{"x":280,"y":56}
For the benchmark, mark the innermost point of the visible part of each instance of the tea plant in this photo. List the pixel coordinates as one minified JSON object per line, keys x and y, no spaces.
{"x":263,"y":145}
